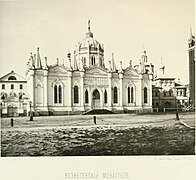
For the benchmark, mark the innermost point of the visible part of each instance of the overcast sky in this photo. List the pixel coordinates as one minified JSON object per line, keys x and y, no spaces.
{"x":125,"y":28}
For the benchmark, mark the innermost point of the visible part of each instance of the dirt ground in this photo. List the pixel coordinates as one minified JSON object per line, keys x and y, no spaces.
{"x":120,"y":134}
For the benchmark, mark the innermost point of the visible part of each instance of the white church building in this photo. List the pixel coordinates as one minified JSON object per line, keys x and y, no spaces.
{"x":86,"y":83}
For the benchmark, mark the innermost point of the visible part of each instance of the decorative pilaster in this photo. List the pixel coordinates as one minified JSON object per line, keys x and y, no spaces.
{"x":31,"y":88}
{"x":150,"y":89}
{"x":82,"y":90}
{"x":140,"y":89}
{"x":110,"y":90}
{"x":121,"y":89}
{"x":46,"y":89}
{"x":69,"y":93}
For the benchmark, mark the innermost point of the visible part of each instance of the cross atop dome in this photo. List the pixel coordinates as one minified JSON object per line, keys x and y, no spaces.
{"x":89,"y":33}
{"x":89,"y":26}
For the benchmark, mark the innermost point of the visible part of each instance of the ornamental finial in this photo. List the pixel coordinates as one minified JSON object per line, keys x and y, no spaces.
{"x":89,"y":27}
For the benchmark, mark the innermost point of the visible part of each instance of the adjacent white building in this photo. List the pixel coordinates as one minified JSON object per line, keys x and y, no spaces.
{"x":13,"y":101}
{"x":87,"y":84}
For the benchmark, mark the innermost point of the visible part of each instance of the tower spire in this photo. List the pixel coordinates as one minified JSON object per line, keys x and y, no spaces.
{"x":191,"y":34}
{"x":39,"y":64}
{"x":113,"y":63}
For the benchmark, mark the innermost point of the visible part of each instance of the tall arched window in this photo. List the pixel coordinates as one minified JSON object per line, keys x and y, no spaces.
{"x":55,"y":94}
{"x":76,"y":94}
{"x":132,"y":95}
{"x":93,"y":60}
{"x":128,"y":91}
{"x":105,"y":97}
{"x":115,"y":95}
{"x":60,"y":94}
{"x":86,"y":96}
{"x":84,"y":61}
{"x":145,"y":95}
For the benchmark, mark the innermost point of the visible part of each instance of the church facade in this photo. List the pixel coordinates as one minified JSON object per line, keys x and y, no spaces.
{"x":86,"y":83}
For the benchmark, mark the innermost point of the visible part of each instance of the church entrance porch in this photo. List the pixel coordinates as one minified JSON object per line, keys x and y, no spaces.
{"x":96,"y":102}
{"x":12,"y":111}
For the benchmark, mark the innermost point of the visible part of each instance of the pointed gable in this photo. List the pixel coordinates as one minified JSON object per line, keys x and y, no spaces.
{"x":57,"y":69}
{"x":12,"y":76}
{"x":131,"y":72}
{"x":96,"y":71}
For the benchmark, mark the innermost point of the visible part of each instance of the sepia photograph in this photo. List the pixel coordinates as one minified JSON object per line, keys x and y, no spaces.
{"x":92,"y":80}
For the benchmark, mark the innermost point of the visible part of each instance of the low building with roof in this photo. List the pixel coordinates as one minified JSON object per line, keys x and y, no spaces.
{"x":168,"y":92}
{"x":13,"y":98}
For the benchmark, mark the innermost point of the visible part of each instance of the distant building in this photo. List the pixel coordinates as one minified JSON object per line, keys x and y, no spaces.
{"x":191,"y":50}
{"x":87,"y":84}
{"x":13,"y":101}
{"x":168,"y":92}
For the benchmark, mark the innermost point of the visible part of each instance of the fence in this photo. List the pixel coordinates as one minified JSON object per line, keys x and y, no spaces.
{"x":167,"y":109}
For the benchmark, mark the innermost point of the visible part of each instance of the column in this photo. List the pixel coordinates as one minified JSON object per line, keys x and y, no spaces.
{"x":31,"y":88}
{"x":82,"y":90}
{"x":150,"y":90}
{"x":110,"y":90}
{"x":69,"y":93}
{"x":121,"y":90}
{"x":46,"y":89}
{"x":140,"y":94}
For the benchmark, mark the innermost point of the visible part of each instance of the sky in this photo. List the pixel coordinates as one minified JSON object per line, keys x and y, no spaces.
{"x":126,"y":28}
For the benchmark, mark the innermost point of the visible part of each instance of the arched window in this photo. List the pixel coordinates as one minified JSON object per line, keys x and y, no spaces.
{"x":3,"y":97}
{"x":132,"y":94}
{"x":84,"y":61}
{"x":115,"y":95}
{"x":55,"y":94}
{"x":12,"y":78}
{"x":86,"y":96}
{"x":156,"y":93}
{"x":128,"y":91}
{"x":60,"y":94}
{"x":170,"y":93}
{"x":76,"y":97}
{"x":93,"y":60}
{"x":105,"y":97}
{"x":145,"y":95}
{"x":20,"y":96}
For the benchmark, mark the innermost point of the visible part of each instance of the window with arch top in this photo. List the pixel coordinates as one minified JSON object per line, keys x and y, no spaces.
{"x":130,"y":92}
{"x":76,"y":94}
{"x":86,"y":96}
{"x":145,"y":95}
{"x":57,"y":94}
{"x":115,"y":95}
{"x":12,"y":78}
{"x":105,"y":97}
{"x":93,"y":60}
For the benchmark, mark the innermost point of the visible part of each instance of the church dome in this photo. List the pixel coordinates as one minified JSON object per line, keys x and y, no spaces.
{"x":89,"y":41}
